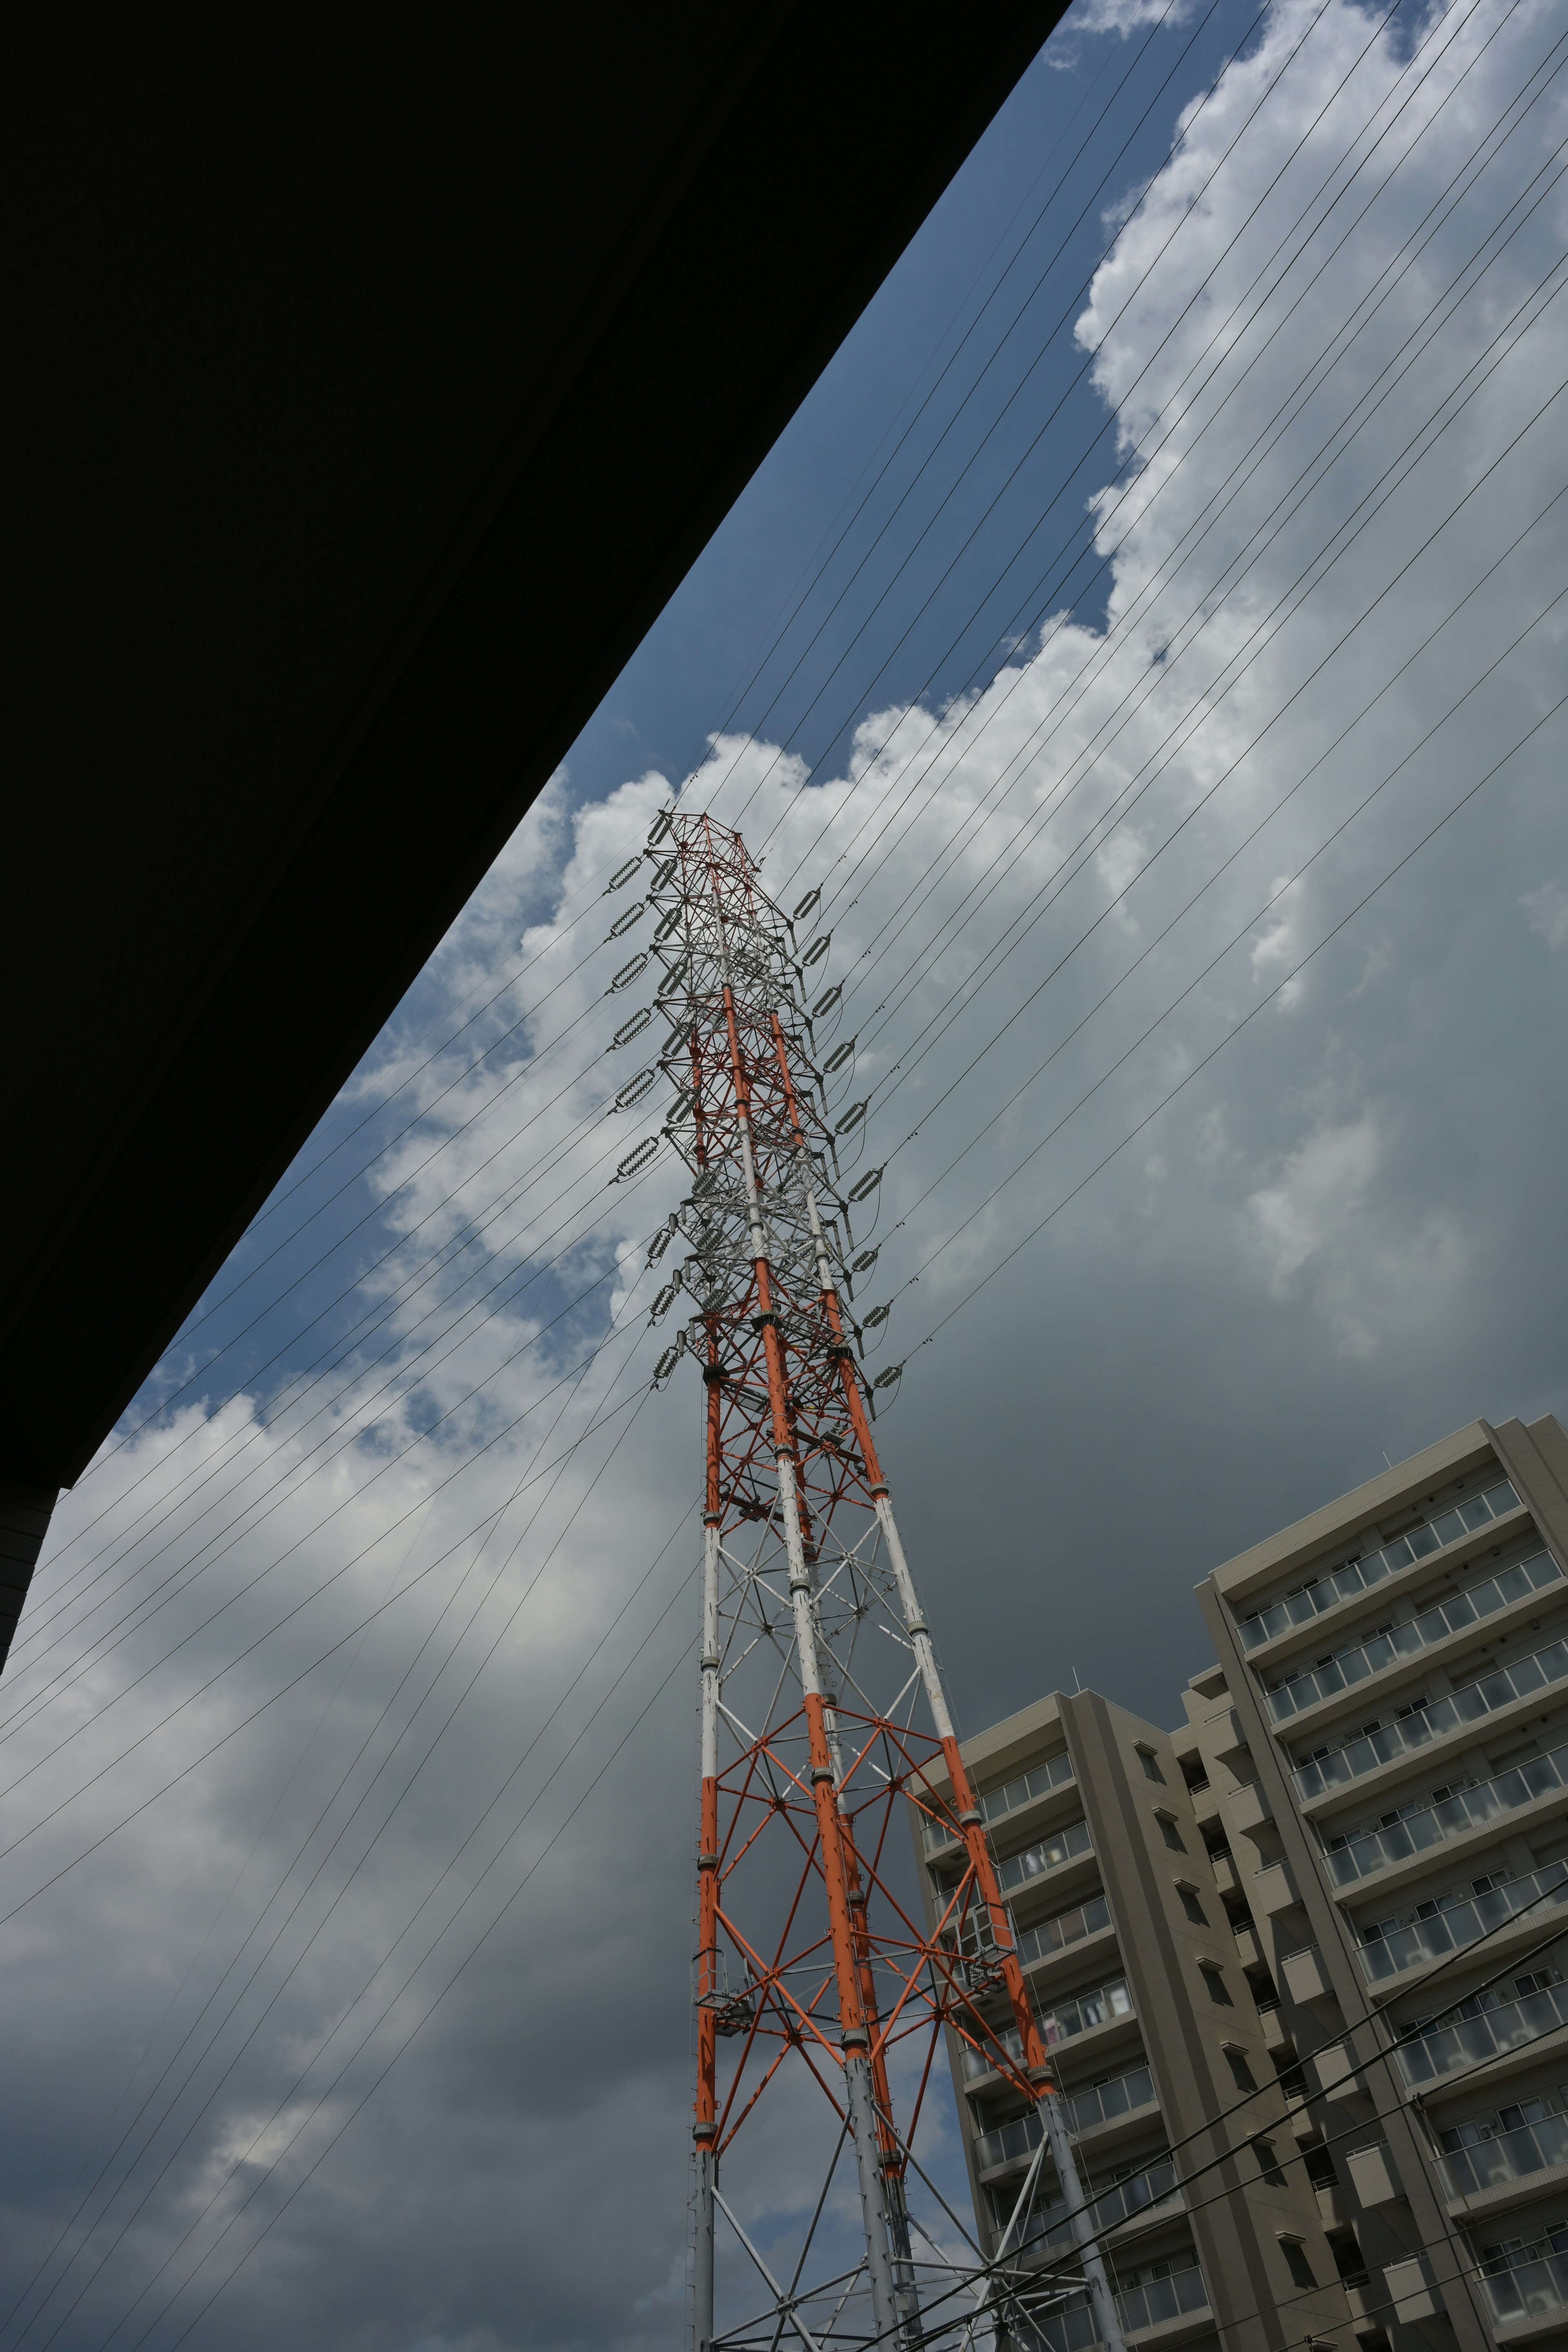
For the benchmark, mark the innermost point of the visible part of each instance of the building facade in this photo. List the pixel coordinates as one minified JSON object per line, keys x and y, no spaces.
{"x":1299,"y":1959}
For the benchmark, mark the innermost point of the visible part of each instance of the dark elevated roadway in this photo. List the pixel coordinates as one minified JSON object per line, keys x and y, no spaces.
{"x":357,"y":439}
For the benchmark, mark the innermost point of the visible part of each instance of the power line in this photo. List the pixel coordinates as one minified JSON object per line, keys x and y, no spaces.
{"x":1234,"y":1032}
{"x":1243,"y":468}
{"x":540,"y":1730}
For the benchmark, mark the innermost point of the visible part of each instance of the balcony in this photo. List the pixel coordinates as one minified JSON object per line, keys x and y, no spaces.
{"x":1104,"y":2102}
{"x":973,"y":1938}
{"x":1071,"y":2327}
{"x":1459,"y":1924}
{"x":1361,"y":1660}
{"x":1507,"y":2156}
{"x":1427,"y":2057}
{"x":997,"y":1803}
{"x":1142,"y":2192}
{"x":1009,"y":2143}
{"x":1159,"y":2300}
{"x":1362,"y":1575}
{"x":1090,"y":1919}
{"x":1469,"y":1808}
{"x":1085,"y":2111}
{"x":1419,"y":1728}
{"x":1103,"y":2007}
{"x":1051,"y":1854}
{"x":1537,"y":2289}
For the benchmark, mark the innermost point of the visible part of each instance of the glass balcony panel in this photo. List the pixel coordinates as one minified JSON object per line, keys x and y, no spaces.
{"x":1105,"y":2101}
{"x":1534,"y":2291}
{"x":1160,"y":2299}
{"x":1091,"y":2008}
{"x":1469,"y":1808}
{"x":1507,"y":2156}
{"x":1425,"y":1723}
{"x":981,"y":2056}
{"x":998,"y":1802}
{"x":1068,"y":2329}
{"x":1360,"y":1575}
{"x":1139,"y":2195}
{"x":1475,"y":2039}
{"x":1066,"y":1927}
{"x":1047,"y":2225}
{"x":1006,"y":2143}
{"x":1460,"y":1924}
{"x":1048,"y":1855}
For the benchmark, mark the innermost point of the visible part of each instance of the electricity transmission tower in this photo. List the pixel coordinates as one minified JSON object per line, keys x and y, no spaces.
{"x":823,"y":1714}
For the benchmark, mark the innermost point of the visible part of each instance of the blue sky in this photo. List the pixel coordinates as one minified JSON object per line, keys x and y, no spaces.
{"x":1088,"y":124}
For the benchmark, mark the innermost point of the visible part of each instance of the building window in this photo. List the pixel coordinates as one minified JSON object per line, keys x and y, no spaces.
{"x":1151,"y":1769}
{"x":1170,"y":1832}
{"x":1296,"y":2262}
{"x":1241,"y":2072}
{"x":1192,"y":1906}
{"x":1214,"y":1980}
{"x":1268,"y":2163}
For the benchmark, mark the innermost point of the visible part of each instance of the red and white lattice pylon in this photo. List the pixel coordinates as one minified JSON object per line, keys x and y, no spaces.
{"x":823,"y":1711}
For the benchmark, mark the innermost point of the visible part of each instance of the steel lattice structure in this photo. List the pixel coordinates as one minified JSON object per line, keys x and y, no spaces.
{"x":823,"y":1709}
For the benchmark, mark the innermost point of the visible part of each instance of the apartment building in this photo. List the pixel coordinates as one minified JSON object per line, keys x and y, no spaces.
{"x":1098,"y":1821}
{"x":1325,"y":1909}
{"x":1386,"y":1733}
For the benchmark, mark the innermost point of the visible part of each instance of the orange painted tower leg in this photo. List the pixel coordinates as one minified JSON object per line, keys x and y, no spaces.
{"x":705,"y":2124}
{"x":860,"y":2090}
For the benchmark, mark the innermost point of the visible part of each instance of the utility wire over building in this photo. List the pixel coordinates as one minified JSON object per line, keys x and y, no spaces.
{"x":823,"y":1711}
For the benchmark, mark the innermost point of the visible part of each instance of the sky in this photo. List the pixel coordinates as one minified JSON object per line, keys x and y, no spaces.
{"x":1148,"y":638}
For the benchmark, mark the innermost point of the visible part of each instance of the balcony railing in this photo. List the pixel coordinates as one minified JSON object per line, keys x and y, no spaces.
{"x":1361,"y":1659}
{"x":973,"y":1938}
{"x":1450,"y":1929}
{"x":1100,"y":2006}
{"x":983,"y":2060}
{"x":1141,"y":2192}
{"x":1451,"y":1817}
{"x":1361,"y":1575}
{"x":1105,"y":2101}
{"x":1008,"y":2143}
{"x":1507,"y":2156}
{"x":1048,"y":1855}
{"x":997,"y":1803}
{"x":1066,"y":1927}
{"x":1069,"y":2328}
{"x":1085,"y":2111}
{"x":1532,"y":2291}
{"x":1471,"y":2039}
{"x":1157,"y":2300}
{"x":1060,"y":2024}
{"x":1418,"y":1729}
